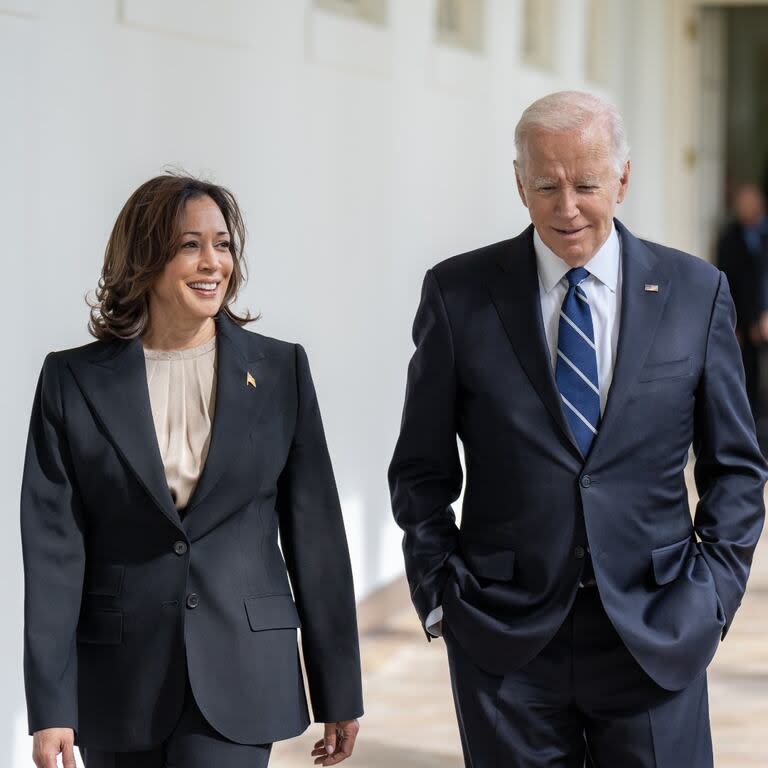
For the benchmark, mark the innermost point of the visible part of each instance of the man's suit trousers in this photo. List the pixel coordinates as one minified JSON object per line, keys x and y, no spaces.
{"x":584,"y":697}
{"x":192,"y":744}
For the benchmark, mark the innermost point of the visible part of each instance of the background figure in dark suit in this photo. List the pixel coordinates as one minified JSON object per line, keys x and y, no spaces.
{"x":579,"y":602}
{"x":742,"y":254}
{"x":162,"y":461}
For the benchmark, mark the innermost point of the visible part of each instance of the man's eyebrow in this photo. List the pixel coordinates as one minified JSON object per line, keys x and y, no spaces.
{"x":541,"y":180}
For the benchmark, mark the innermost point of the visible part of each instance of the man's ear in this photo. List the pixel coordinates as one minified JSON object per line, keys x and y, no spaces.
{"x":624,"y":182}
{"x":520,"y":188}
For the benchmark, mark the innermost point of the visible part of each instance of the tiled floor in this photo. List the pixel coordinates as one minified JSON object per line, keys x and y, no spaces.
{"x":410,"y":722}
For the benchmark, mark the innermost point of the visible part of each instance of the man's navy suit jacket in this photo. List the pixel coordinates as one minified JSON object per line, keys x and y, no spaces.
{"x":532,"y":503}
{"x":123,"y":597}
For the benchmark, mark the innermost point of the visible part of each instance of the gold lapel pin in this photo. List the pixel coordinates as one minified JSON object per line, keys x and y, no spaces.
{"x":651,"y":287}
{"x":249,"y":380}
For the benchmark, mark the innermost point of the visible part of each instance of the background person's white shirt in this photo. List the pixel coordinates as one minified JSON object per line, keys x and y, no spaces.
{"x":603,"y":289}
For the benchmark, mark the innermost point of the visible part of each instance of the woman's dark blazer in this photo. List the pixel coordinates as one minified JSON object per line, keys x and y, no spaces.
{"x":121,"y":594}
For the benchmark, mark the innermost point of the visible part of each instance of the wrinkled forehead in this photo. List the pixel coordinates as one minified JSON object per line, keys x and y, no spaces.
{"x":586,"y":150}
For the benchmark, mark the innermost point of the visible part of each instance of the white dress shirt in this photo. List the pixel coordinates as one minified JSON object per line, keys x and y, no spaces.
{"x":603,"y":289}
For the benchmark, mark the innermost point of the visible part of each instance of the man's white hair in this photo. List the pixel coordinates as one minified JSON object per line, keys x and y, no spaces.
{"x":573,"y":110}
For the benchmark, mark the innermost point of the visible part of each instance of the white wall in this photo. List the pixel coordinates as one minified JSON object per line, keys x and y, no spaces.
{"x":360,"y":156}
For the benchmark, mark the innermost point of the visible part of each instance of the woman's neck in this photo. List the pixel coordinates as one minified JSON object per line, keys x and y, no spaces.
{"x":169,"y":336}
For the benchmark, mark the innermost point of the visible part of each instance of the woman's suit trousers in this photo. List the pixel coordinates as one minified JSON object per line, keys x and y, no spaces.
{"x":193,"y":743}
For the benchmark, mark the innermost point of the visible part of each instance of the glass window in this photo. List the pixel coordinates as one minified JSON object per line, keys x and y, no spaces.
{"x":538,"y":33}
{"x":461,"y":23}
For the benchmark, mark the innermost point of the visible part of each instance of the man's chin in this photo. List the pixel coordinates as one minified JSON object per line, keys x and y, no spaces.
{"x":569,"y":251}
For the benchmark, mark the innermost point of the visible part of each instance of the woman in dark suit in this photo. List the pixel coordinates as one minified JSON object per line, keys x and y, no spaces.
{"x":162,"y":461}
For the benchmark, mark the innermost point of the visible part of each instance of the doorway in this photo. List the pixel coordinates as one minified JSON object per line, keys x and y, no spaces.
{"x":745,"y":151}
{"x":718,"y":131}
{"x":746,"y":97}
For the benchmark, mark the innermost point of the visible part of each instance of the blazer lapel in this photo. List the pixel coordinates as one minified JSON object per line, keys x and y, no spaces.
{"x":641,"y":312}
{"x":238,"y":402}
{"x":515,"y":293}
{"x":115,"y":385}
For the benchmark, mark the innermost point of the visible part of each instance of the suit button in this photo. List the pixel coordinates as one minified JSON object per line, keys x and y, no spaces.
{"x":579,"y":552}
{"x":193,"y":600}
{"x":180,"y":547}
{"x":586,"y":481}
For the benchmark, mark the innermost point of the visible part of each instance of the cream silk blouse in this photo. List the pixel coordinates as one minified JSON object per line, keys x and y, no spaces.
{"x":182,"y":394}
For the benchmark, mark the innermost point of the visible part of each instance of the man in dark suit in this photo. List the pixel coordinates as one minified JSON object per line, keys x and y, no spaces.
{"x":742,"y":254}
{"x":579,"y":602}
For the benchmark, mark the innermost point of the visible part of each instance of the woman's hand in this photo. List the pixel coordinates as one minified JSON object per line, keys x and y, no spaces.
{"x":46,"y":744}
{"x":338,"y":743}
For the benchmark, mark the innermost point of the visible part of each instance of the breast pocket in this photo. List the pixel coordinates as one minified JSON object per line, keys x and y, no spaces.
{"x":668,"y":369}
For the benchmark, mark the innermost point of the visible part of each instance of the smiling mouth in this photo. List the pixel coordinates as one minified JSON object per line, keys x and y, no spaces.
{"x":205,"y":288}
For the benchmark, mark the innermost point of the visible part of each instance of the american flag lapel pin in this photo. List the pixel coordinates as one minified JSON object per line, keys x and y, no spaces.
{"x":652,"y":287}
{"x":249,"y":380}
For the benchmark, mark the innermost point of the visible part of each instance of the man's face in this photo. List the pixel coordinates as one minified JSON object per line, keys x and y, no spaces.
{"x":569,"y":184}
{"x":749,"y":205}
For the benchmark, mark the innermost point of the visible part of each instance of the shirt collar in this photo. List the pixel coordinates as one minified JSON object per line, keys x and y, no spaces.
{"x":604,"y":265}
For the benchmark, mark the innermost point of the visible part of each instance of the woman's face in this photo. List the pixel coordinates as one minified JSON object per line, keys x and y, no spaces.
{"x":193,"y":284}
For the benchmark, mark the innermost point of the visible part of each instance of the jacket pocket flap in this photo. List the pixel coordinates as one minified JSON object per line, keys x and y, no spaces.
{"x":102,"y":627}
{"x":104,"y":579}
{"x":498,"y":564}
{"x":667,"y":370}
{"x":669,"y":561}
{"x":272,"y":612}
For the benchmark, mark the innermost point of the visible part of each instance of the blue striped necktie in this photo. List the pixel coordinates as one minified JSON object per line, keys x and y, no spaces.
{"x":576,"y":369}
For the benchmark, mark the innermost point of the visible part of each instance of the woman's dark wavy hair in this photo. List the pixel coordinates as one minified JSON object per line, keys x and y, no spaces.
{"x":146,"y":236}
